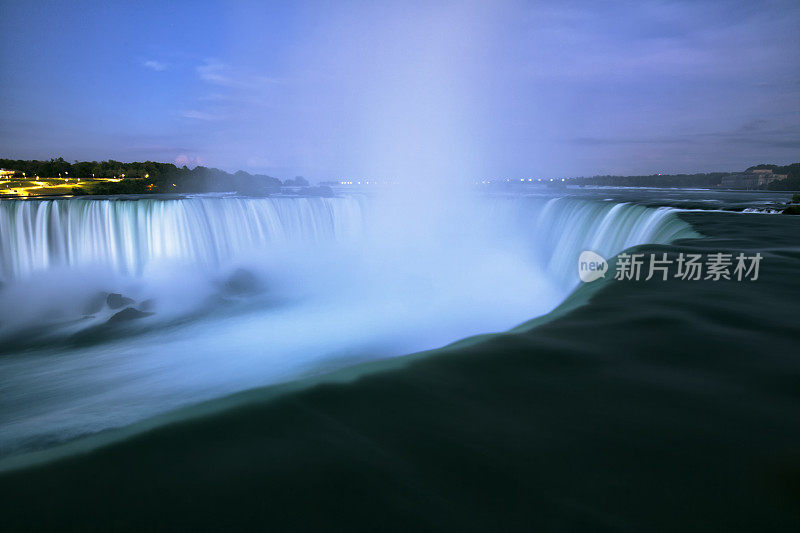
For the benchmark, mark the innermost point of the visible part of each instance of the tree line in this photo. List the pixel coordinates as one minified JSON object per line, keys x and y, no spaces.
{"x":149,"y":177}
{"x":712,"y":179}
{"x":702,"y":180}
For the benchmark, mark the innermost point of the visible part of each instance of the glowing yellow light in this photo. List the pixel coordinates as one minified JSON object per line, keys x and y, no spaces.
{"x":147,"y":175}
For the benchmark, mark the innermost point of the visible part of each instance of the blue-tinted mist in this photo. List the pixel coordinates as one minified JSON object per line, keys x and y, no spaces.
{"x":249,"y":292}
{"x":399,"y":89}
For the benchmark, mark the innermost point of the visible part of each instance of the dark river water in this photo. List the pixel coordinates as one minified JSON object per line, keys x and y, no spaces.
{"x":633,"y":405}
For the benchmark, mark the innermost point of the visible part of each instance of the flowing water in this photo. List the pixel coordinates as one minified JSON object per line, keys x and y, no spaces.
{"x":233,"y":293}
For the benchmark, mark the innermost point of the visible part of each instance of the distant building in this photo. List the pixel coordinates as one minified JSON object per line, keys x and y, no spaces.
{"x":6,"y":173}
{"x":751,"y":180}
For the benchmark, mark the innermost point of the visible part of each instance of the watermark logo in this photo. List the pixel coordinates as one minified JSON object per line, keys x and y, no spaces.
{"x":591,"y":266}
{"x":684,"y":266}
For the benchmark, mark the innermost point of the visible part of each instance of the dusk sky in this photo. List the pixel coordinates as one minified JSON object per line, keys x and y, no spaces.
{"x":331,"y":89}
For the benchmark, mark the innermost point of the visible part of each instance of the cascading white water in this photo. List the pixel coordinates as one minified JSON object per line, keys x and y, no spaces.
{"x":564,"y":227}
{"x":127,"y":235}
{"x":339,"y":280}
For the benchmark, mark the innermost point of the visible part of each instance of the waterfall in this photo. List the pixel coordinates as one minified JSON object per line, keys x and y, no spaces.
{"x":126,"y":235}
{"x":338,"y":280}
{"x":564,"y":227}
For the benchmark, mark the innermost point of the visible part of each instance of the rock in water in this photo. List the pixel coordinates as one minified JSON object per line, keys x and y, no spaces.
{"x":129,"y":313}
{"x":241,"y":282}
{"x":115,"y":300}
{"x":95,"y":303}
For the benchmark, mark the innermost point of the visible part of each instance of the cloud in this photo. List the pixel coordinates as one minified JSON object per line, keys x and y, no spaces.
{"x":188,"y":160}
{"x":213,"y":97}
{"x":202,"y":115}
{"x":218,"y":73}
{"x":753,"y":133}
{"x":694,"y":40}
{"x":235,"y":91}
{"x":258,"y":162}
{"x":608,"y":141}
{"x":158,"y":66}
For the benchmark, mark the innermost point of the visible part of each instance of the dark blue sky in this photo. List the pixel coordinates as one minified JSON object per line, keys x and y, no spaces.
{"x":327,"y":89}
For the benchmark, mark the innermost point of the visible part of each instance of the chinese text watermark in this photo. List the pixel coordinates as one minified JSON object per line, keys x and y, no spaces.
{"x":691,"y":267}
